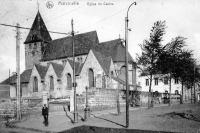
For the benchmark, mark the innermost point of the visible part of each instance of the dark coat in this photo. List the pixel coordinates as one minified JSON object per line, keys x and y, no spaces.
{"x":45,"y":111}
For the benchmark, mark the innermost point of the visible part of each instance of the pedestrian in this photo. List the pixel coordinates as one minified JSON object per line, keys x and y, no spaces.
{"x":45,"y":113}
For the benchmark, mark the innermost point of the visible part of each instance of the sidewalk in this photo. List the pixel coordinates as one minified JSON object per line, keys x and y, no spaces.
{"x":58,"y":121}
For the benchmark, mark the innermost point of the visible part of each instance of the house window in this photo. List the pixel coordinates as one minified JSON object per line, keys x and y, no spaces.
{"x":176,"y":80}
{"x":147,"y":82}
{"x":91,"y":77}
{"x":165,"y":80}
{"x":35,"y":84}
{"x":51,"y":83}
{"x":156,"y":81}
{"x":69,"y":81}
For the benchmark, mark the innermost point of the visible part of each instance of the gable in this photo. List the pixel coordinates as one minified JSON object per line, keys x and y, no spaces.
{"x":35,"y":72}
{"x":91,"y":62}
{"x":67,"y":68}
{"x":50,"y":71}
{"x":103,"y":61}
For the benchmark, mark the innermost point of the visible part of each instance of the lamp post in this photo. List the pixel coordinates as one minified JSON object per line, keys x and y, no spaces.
{"x":126,"y":52}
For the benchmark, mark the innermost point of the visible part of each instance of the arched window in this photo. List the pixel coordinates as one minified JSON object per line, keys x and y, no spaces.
{"x":122,"y":74}
{"x":51,"y":83}
{"x":69,"y":81}
{"x":35,"y":84}
{"x":91,"y":77}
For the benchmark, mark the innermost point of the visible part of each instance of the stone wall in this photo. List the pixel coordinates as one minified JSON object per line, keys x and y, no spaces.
{"x":159,"y":98}
{"x":33,"y":54}
{"x":100,"y":98}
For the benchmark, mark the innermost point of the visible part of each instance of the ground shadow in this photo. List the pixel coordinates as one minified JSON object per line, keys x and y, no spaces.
{"x":68,"y":116}
{"x":93,"y":129}
{"x":72,"y":121}
{"x":108,"y":120}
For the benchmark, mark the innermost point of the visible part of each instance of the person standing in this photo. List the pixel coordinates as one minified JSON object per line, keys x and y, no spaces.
{"x":45,"y":113}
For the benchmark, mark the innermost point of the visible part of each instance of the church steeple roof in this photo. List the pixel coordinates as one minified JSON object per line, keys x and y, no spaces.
{"x":38,"y":31}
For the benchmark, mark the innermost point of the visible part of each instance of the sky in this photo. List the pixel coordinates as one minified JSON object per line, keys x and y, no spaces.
{"x":107,"y":17}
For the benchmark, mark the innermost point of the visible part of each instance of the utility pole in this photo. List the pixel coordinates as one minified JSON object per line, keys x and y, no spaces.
{"x":126,"y":63}
{"x":74,"y":76}
{"x":18,"y":71}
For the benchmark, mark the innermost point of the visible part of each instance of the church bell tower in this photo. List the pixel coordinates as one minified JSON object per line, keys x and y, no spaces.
{"x":38,"y":36}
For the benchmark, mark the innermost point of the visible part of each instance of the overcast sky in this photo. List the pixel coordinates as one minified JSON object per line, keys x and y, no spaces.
{"x":182,"y":19}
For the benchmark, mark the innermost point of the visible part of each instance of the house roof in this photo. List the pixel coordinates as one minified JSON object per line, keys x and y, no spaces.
{"x":38,"y":31}
{"x":115,"y":49}
{"x":78,"y":66}
{"x":24,"y":77}
{"x":41,"y":70}
{"x":62,"y":48}
{"x":103,"y":61}
{"x":58,"y":68}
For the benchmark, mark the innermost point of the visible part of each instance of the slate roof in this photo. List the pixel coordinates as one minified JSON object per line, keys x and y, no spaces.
{"x":115,"y":49}
{"x":103,"y":61}
{"x":78,"y":66}
{"x":24,"y":77}
{"x":38,"y":31}
{"x":58,"y":68}
{"x":62,"y":48}
{"x":41,"y":70}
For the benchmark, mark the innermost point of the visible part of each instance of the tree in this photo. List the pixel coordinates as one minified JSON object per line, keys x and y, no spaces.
{"x":169,"y":60}
{"x":188,"y":72}
{"x":151,"y":50}
{"x":178,"y":63}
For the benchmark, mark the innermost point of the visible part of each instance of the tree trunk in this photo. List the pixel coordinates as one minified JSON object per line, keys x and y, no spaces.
{"x":170,"y":85}
{"x":191,"y":94}
{"x":181,"y":100}
{"x":150,"y":99}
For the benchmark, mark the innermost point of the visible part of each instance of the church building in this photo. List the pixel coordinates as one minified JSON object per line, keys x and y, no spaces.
{"x":49,"y":64}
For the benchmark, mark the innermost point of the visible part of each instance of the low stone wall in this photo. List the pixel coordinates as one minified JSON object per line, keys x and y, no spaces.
{"x":161,"y":98}
{"x":100,"y":99}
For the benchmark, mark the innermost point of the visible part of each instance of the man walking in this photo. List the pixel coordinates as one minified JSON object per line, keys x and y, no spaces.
{"x":45,"y":113}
